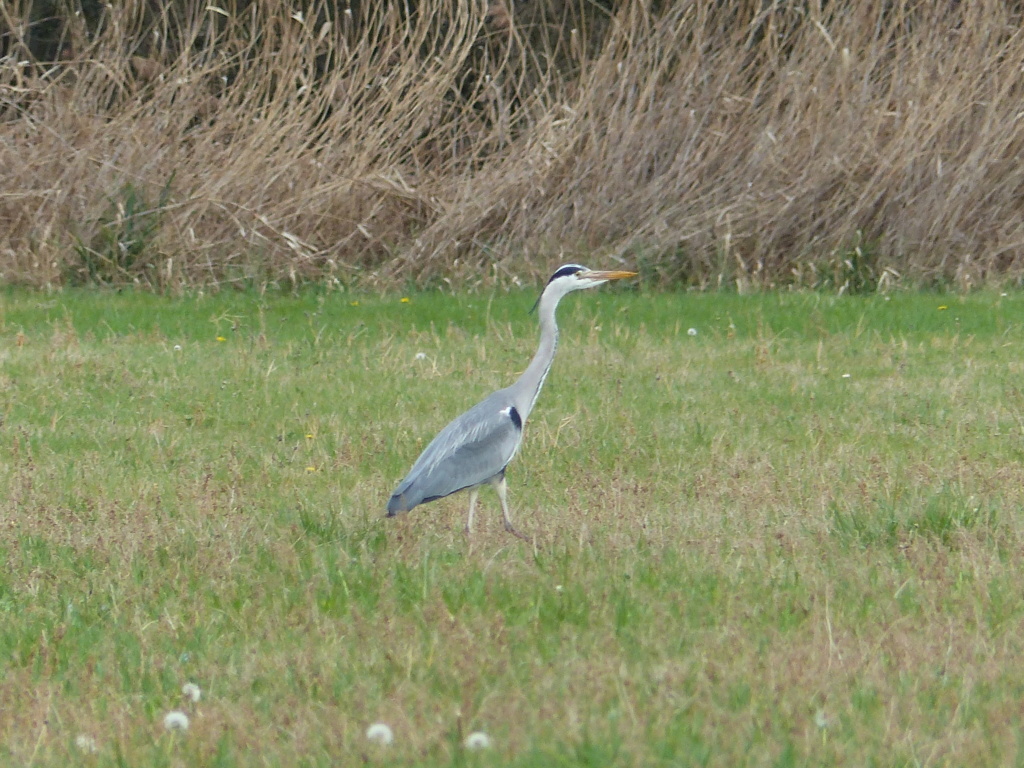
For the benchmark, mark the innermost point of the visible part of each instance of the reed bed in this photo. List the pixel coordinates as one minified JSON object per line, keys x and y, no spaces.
{"x":847,"y":146}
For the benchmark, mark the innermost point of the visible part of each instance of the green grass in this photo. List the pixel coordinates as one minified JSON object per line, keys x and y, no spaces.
{"x":791,"y":539}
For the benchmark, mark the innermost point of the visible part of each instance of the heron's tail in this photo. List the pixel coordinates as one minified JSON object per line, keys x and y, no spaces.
{"x":398,"y":504}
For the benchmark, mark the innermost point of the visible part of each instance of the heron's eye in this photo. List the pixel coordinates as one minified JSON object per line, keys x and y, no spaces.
{"x":567,"y":271}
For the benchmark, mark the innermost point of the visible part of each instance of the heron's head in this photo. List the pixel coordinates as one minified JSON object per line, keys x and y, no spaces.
{"x":575,"y":277}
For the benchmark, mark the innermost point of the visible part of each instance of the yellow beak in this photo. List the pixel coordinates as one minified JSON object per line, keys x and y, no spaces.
{"x":612,"y":274}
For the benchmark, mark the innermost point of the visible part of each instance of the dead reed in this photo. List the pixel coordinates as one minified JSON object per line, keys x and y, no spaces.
{"x":839,"y":145}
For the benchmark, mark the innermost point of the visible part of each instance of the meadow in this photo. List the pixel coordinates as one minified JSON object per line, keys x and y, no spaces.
{"x":789,"y":536}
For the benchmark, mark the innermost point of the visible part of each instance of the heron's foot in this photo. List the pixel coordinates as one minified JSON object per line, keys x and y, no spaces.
{"x":511,"y":529}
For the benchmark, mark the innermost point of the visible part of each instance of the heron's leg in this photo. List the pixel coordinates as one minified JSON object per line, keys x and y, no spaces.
{"x":473,"y":493}
{"x":502,"y":490}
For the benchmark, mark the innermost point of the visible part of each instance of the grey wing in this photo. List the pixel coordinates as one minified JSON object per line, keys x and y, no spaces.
{"x":471,"y":450}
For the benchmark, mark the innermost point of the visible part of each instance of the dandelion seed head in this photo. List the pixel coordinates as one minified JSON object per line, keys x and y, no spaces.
{"x":821,"y":719}
{"x":691,"y":332}
{"x":380,"y":733}
{"x":86,"y":744}
{"x":846,"y":375}
{"x":478,"y":740}
{"x":176,"y":720}
{"x":177,"y":347}
{"x":191,"y":692}
{"x":421,"y":355}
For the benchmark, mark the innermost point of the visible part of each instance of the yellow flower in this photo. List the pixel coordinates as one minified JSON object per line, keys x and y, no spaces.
{"x":221,"y":338}
{"x":311,"y":469}
{"x":309,"y":437}
{"x":353,"y":303}
{"x":405,"y":299}
{"x":942,"y":307}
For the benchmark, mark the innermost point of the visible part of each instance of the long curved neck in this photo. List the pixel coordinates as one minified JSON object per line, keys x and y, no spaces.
{"x":529,"y":384}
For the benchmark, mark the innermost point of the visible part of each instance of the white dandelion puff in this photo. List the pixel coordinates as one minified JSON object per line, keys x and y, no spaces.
{"x":191,"y":692}
{"x":421,"y":355}
{"x":86,"y":744}
{"x":821,"y":719}
{"x":177,"y":347}
{"x":380,"y":733}
{"x":176,"y":720}
{"x":692,"y":332}
{"x":846,"y":375}
{"x":478,"y":740}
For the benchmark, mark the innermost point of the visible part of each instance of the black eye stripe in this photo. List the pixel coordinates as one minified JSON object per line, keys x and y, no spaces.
{"x":568,"y":269}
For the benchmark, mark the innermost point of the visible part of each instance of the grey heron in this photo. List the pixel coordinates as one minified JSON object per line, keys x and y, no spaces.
{"x":474,"y":449}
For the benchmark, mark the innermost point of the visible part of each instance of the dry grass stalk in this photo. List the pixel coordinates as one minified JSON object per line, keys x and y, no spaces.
{"x":840,"y":145}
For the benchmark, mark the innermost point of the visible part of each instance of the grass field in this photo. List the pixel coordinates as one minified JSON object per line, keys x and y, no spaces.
{"x":792,"y":538}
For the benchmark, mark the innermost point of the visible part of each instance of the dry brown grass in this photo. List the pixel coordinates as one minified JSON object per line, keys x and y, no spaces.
{"x":713,"y":143}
